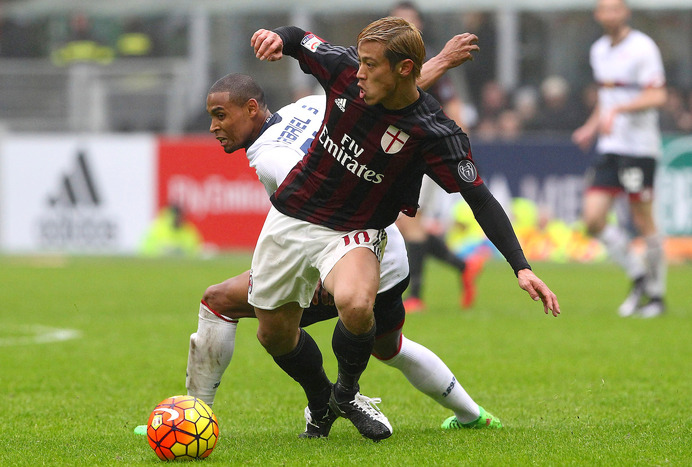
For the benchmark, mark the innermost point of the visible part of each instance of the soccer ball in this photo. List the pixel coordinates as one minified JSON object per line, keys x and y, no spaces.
{"x":182,"y":427}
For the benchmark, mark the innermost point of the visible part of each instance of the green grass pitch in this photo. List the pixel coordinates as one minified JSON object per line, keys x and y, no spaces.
{"x":586,"y":388}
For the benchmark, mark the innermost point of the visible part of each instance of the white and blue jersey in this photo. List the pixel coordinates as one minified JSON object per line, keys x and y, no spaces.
{"x":284,"y":143}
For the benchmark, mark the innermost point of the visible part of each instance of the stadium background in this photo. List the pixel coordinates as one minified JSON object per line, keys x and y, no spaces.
{"x":102,"y":111}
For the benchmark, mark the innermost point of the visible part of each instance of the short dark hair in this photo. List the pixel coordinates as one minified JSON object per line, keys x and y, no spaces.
{"x":400,"y":38}
{"x":241,"y":88}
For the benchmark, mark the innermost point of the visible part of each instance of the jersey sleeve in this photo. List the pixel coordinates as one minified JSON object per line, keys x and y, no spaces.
{"x":316,"y":56}
{"x":651,"y":72}
{"x":273,"y":166}
{"x":450,"y":165}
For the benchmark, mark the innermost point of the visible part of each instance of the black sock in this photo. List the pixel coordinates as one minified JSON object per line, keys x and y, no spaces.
{"x":304,"y":364}
{"x":438,"y":248}
{"x":416,"y":256}
{"x":352,"y":352}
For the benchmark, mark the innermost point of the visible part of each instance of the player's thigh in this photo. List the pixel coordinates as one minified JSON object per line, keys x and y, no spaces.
{"x":355,"y":275}
{"x":597,"y":204}
{"x":353,"y":281}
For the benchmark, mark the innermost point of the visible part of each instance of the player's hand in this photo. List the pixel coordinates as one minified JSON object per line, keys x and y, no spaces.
{"x":321,"y":296}
{"x":459,"y":49}
{"x":267,"y":44}
{"x":537,"y":289}
{"x":583,"y":137}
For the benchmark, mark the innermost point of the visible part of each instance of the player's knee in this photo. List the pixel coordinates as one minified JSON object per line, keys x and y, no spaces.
{"x":357,"y":317}
{"x":213,"y":297}
{"x":267,"y":339}
{"x":276,"y":342}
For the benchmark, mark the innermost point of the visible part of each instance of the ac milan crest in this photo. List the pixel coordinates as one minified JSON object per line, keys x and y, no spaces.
{"x":393,"y":140}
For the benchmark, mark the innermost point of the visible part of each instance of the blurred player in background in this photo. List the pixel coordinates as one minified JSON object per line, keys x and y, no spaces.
{"x":628,"y":69}
{"x":424,"y":234}
{"x":381,"y":133}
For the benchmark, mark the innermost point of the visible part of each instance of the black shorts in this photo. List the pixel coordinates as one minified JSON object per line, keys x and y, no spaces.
{"x":617,"y":173}
{"x":389,"y":311}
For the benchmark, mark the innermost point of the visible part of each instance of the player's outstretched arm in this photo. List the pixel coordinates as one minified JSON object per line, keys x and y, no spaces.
{"x":267,"y":45}
{"x":537,"y":289}
{"x":456,"y":51}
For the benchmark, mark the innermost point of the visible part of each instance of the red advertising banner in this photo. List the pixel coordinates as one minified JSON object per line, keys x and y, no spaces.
{"x":218,"y":192}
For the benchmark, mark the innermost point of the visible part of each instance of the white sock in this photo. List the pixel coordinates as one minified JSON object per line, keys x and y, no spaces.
{"x":211,"y":350}
{"x":655,"y":261}
{"x":617,"y":243}
{"x":429,"y":374}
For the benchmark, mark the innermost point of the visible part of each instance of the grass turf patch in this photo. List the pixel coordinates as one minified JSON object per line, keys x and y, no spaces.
{"x":585,"y":388}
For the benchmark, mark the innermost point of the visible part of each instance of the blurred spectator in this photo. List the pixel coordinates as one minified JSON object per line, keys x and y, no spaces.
{"x":509,"y":125}
{"x":493,"y":103}
{"x":557,"y":112}
{"x":171,"y":235}
{"x":525,"y":103}
{"x":82,"y":45}
{"x":483,"y":66}
{"x":135,"y":40}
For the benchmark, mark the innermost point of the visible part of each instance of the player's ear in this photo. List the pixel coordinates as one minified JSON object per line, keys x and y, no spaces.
{"x":252,"y":107}
{"x":405,"y":67}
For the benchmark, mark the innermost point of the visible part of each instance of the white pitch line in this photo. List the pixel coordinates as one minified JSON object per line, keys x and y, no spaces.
{"x":36,"y":334}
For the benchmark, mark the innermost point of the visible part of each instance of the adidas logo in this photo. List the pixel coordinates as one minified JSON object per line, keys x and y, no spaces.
{"x":77,"y":187}
{"x":341,"y":103}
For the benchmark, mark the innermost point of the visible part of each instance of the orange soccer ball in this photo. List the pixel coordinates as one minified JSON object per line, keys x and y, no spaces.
{"x":182,"y":427}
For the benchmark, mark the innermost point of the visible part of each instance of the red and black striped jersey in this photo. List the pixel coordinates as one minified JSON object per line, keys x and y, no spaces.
{"x":366,"y":163}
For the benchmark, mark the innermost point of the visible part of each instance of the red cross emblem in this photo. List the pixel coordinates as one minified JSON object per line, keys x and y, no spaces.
{"x":393,"y":140}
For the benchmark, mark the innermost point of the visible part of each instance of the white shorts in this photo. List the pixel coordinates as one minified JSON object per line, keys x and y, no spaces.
{"x":394,"y":263}
{"x":291,"y":255}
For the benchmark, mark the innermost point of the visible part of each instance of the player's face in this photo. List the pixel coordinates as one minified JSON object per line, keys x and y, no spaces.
{"x":612,"y":15}
{"x":377,"y":81}
{"x":230,"y":123}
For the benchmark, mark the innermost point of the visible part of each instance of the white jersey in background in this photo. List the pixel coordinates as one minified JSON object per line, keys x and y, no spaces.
{"x":622,"y":72}
{"x":284,"y":143}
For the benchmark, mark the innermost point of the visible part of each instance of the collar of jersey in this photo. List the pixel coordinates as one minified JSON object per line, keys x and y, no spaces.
{"x":274,"y":118}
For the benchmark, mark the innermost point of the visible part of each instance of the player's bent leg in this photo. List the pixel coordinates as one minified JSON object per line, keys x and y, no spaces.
{"x":353,"y":282}
{"x":654,"y":259}
{"x":211,"y":350}
{"x":230,"y":297}
{"x":596,"y":205}
{"x":297,"y":354}
{"x":616,"y":240}
{"x":429,"y":374}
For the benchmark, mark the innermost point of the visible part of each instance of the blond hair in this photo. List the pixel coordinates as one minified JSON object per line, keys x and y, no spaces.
{"x":402,"y":40}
